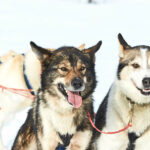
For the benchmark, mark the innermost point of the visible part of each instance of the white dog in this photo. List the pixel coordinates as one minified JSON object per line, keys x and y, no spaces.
{"x":17,"y":72}
{"x":127,"y":100}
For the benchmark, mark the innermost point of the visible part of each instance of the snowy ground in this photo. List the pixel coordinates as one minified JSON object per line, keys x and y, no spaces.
{"x":54,"y":23}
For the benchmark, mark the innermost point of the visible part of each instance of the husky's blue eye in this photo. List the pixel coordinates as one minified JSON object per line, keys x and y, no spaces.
{"x":64,"y":69}
{"x":135,"y":65}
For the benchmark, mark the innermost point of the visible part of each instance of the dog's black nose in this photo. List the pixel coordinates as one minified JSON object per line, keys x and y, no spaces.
{"x":77,"y":83}
{"x":146,"y":83}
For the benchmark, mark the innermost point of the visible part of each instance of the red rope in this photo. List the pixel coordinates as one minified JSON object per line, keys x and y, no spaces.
{"x":22,"y":92}
{"x":114,"y":132}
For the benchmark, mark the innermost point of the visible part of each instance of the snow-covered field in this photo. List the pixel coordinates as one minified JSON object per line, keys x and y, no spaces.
{"x":54,"y":23}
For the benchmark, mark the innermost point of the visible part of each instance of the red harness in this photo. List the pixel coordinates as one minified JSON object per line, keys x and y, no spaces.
{"x":114,"y":132}
{"x":26,"y":93}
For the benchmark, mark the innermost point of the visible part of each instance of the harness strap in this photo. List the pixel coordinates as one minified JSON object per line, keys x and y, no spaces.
{"x":132,"y":136}
{"x":26,"y":79}
{"x":112,"y":132}
{"x":22,"y":92}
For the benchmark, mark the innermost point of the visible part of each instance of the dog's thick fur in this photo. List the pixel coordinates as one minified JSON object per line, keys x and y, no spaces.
{"x":128,"y":99}
{"x":54,"y":119}
{"x":12,"y":69}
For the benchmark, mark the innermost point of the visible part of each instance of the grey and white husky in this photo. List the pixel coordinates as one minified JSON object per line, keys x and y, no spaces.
{"x":127,"y":100}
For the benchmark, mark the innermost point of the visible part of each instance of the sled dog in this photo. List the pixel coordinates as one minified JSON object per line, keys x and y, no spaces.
{"x":59,"y":113}
{"x":128,"y":100}
{"x":18,"y":71}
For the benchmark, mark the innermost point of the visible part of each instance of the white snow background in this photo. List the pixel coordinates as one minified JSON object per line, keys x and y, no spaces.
{"x":55,"y":23}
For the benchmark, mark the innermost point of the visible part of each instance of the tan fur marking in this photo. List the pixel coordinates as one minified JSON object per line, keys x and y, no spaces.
{"x":65,"y":64}
{"x":70,"y":77}
{"x":6,"y":57}
{"x":81,"y":47}
{"x":51,"y":49}
{"x":148,"y":58}
{"x":79,"y":66}
{"x":130,"y":55}
{"x":71,"y":73}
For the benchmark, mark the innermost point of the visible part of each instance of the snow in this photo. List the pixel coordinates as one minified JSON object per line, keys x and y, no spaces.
{"x":54,"y":23}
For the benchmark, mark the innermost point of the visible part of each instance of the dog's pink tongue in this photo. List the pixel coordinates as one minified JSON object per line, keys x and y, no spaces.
{"x":75,"y":99}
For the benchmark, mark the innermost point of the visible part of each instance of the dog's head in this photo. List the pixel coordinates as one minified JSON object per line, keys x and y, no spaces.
{"x":134,"y":71}
{"x":68,"y":72}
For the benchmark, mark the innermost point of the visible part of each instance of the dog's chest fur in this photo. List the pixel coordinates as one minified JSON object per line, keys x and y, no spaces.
{"x":61,"y":122}
{"x":119,"y":104}
{"x":56,"y":116}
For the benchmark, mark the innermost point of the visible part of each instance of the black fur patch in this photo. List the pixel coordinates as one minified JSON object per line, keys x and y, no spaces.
{"x":100,"y":120}
{"x":37,"y":121}
{"x":120,"y":67}
{"x":123,"y":42}
{"x":141,"y":47}
{"x":132,"y":138}
{"x":65,"y":139}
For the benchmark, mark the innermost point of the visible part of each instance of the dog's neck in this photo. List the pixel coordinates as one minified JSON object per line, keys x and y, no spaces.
{"x":32,"y":70}
{"x":132,"y":102}
{"x":130,"y":111}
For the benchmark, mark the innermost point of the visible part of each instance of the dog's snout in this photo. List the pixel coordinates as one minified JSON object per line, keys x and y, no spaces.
{"x":77,"y":83}
{"x":146,"y":82}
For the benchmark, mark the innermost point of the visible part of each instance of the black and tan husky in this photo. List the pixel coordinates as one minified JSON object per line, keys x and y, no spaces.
{"x":127,"y":100}
{"x":59,"y":114}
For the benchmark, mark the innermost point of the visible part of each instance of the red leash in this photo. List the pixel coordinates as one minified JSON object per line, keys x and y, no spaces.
{"x":121,"y":130}
{"x":22,"y":92}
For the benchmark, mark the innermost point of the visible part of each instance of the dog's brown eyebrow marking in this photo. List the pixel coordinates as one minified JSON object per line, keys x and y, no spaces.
{"x":130,"y":55}
{"x":64,"y":63}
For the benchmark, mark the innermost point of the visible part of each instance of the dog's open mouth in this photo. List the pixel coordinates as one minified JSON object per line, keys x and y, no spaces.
{"x":143,"y":91}
{"x":73,"y":97}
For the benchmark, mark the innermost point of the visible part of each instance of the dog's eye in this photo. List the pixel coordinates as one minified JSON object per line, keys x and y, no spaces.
{"x":82,"y":68}
{"x":64,"y":69}
{"x":135,"y":65}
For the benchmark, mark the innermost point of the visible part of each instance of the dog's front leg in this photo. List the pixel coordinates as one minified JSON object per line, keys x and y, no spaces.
{"x":49,"y":144}
{"x":49,"y":141}
{"x":80,"y":140}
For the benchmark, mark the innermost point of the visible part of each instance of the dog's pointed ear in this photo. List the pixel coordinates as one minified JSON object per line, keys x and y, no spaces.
{"x":92,"y":50}
{"x":123,"y":45}
{"x":81,"y":47}
{"x":40,"y":52}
